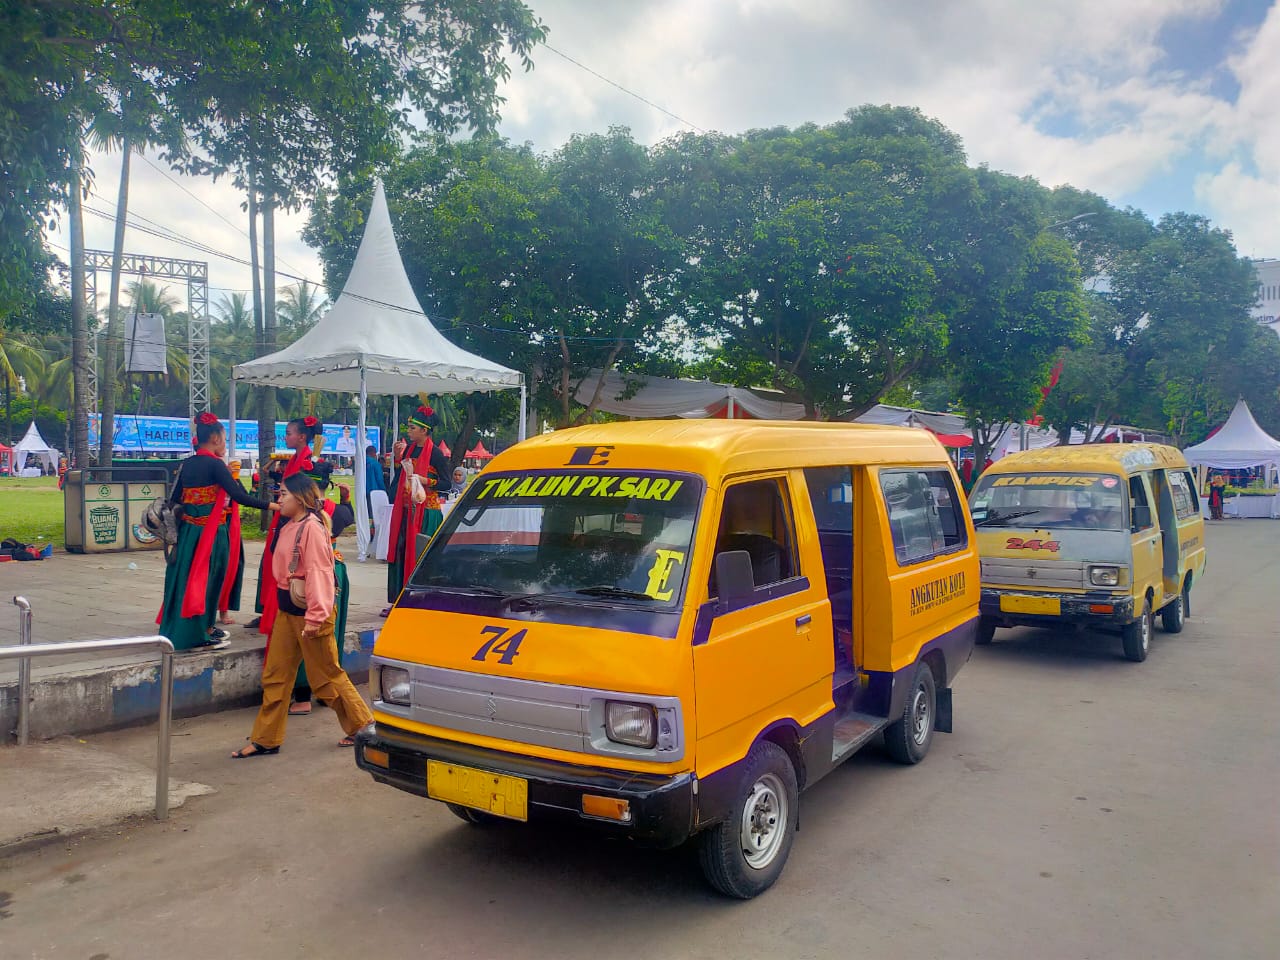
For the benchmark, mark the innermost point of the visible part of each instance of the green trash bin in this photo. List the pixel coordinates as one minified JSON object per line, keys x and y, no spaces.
{"x":103,"y":507}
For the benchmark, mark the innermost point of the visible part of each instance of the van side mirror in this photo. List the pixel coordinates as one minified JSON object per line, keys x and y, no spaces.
{"x":1141,"y":517}
{"x":734,"y":577}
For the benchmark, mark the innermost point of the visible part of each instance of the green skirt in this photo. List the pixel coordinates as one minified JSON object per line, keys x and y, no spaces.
{"x":188,"y":632}
{"x":431,"y":520}
{"x":341,"y":602}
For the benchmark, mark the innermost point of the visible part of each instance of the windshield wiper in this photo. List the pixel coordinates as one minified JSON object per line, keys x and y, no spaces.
{"x":473,"y":590}
{"x":608,"y":590}
{"x":996,"y":517}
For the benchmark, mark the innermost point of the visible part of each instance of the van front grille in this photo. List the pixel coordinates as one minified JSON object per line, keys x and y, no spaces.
{"x":1035,"y":574}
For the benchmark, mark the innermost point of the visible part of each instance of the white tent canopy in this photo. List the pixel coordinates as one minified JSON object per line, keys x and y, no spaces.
{"x":33,"y":445}
{"x":376,"y":339}
{"x":1240,"y":444}
{"x":645,"y":397}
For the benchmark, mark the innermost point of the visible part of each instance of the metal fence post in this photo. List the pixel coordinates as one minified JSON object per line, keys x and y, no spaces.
{"x":162,"y":743}
{"x":24,"y":670}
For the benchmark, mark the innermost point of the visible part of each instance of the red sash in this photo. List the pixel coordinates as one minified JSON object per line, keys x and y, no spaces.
{"x":300,"y":461}
{"x":404,"y":506}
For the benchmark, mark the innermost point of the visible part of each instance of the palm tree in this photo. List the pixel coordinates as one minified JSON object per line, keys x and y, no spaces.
{"x":235,"y":312}
{"x":299,"y":309}
{"x":21,"y":362}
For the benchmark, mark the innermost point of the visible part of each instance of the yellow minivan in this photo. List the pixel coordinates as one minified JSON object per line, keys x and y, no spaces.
{"x":669,"y":629}
{"x":1103,"y":535}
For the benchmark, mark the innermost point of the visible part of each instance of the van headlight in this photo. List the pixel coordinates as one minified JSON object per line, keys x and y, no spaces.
{"x":1104,"y":576}
{"x":634,"y":724}
{"x":394,"y":686}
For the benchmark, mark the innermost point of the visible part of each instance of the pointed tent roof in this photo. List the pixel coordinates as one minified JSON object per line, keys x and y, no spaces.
{"x":478,"y":452}
{"x":1239,"y":444}
{"x":377,"y":323}
{"x":32,"y":442}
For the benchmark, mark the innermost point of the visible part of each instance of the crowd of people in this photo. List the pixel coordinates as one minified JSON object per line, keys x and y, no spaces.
{"x":302,"y":592}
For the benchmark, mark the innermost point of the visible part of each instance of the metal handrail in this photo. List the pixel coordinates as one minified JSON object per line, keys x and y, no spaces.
{"x":24,"y":653}
{"x":24,"y":667}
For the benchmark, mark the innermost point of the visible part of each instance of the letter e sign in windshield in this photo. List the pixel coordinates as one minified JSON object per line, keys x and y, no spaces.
{"x":589,"y":457}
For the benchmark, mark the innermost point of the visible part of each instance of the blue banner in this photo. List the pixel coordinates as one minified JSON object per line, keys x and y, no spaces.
{"x":173,"y":435}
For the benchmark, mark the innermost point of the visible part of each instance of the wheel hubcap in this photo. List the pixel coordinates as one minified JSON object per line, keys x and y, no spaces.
{"x":1146,"y":629}
{"x":764,"y":821}
{"x":920,"y":715}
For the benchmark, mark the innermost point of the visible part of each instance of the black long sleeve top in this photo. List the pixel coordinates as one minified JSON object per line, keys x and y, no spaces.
{"x":439,"y":463}
{"x":200,"y":471}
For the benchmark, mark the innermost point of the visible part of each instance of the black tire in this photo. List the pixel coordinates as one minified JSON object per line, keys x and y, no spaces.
{"x":986,"y":632}
{"x":907,"y":738}
{"x":763,"y":819}
{"x":1136,"y":636}
{"x":477,"y":818}
{"x":1174,"y":615}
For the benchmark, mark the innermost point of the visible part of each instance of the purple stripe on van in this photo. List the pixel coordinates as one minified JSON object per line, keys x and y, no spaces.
{"x":714,"y":608}
{"x":571,"y":612}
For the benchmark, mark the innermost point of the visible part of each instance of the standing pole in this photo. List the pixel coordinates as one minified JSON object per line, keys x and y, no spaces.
{"x":362,"y":503}
{"x":523,"y":429}
{"x":162,"y":738}
{"x":24,"y":670}
{"x":730,"y":407}
{"x":231,"y":438}
{"x":395,"y":426}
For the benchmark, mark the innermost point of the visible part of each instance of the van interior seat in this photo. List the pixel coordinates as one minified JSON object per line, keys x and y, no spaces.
{"x":769,"y":563}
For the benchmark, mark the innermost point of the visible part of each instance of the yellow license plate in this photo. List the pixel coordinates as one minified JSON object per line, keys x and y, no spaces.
{"x":478,"y":789}
{"x":1044,"y":606}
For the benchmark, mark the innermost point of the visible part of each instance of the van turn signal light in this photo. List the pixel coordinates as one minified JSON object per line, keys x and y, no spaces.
{"x":377,"y":757}
{"x":607,"y":808}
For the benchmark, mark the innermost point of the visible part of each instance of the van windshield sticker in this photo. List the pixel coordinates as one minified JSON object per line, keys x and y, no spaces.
{"x":580,"y":485}
{"x":1046,"y":480}
{"x":664,"y":564}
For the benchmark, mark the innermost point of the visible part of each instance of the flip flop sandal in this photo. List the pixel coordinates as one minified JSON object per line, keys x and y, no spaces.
{"x":347,"y":742}
{"x":244,"y":753}
{"x":300,"y":713}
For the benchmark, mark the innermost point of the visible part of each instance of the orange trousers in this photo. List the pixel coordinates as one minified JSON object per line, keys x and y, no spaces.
{"x":329,"y":682}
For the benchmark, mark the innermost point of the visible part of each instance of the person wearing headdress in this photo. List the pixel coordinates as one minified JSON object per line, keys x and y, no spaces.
{"x":234,"y":585}
{"x":194,"y":579}
{"x":320,"y":473}
{"x":299,"y":434}
{"x":421,"y":475}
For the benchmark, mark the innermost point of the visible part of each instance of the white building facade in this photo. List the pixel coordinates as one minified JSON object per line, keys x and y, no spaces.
{"x":1268,"y":309}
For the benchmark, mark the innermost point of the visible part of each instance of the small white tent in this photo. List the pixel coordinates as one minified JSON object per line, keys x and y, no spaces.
{"x":1240,"y":444}
{"x":377,"y":339}
{"x":33,"y":446}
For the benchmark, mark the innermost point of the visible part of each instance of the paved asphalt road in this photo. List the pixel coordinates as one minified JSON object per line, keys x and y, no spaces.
{"x":1084,"y":807}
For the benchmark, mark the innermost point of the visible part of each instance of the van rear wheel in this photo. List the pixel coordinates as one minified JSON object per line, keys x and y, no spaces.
{"x":744,"y":854}
{"x":1174,"y":616}
{"x":907,"y":739}
{"x":1136,"y":636}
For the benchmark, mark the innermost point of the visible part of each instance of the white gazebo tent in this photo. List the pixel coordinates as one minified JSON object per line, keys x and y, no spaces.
{"x":376,"y":339}
{"x":1238,"y":445}
{"x":33,"y":445}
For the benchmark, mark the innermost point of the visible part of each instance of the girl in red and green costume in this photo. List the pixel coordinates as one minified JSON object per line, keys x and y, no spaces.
{"x":194,"y":580}
{"x":298,"y":437}
{"x":414,"y":514}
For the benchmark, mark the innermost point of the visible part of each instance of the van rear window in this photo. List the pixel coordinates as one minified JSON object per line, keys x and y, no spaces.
{"x":1081,"y":501}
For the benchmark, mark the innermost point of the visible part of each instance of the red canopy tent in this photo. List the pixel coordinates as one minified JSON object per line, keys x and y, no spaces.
{"x":6,"y":459}
{"x":957,"y":441}
{"x":444,"y":448}
{"x":478,"y":452}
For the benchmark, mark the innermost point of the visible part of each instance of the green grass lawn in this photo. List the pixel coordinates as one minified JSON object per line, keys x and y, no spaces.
{"x":31,"y":510}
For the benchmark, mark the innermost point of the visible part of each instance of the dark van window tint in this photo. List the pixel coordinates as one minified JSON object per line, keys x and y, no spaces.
{"x":1140,"y":519}
{"x":756,"y":518}
{"x":1184,"y":501}
{"x":913,"y":515}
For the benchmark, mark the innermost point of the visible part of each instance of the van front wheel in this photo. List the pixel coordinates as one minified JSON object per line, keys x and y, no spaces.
{"x":908,"y":738}
{"x":743,"y":855}
{"x":1136,"y":636}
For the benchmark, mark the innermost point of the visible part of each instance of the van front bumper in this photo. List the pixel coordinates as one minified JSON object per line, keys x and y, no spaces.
{"x":1075,"y":608}
{"x":661,"y":806}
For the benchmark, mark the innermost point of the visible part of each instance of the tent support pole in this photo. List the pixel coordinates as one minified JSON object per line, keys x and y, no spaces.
{"x":395,"y":423}
{"x":731,"y":407}
{"x":362,"y":502}
{"x":523,"y":427}
{"x":231,"y":416}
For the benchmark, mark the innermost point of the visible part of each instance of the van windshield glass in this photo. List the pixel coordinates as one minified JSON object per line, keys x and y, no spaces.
{"x":1081,"y":501}
{"x":604,"y":536}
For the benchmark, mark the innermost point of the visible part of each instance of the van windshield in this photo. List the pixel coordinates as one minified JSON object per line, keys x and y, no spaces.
{"x":1081,"y":501}
{"x":604,"y":536}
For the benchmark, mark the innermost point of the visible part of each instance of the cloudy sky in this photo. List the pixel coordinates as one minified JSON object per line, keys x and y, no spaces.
{"x":1159,"y":104}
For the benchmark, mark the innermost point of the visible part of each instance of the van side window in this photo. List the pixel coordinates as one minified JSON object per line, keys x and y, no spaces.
{"x":1184,"y":502}
{"x":950,"y":511}
{"x":1190,"y":479}
{"x":1137,"y":500}
{"x":913,"y":515}
{"x":756,"y":518}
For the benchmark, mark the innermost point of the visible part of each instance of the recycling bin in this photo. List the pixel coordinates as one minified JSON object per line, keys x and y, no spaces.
{"x":103,"y":507}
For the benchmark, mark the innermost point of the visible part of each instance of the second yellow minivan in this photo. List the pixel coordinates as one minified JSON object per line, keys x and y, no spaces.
{"x":1103,"y":535}
{"x":667,"y":630}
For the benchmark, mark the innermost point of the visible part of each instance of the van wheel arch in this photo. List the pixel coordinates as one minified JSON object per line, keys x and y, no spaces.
{"x":787,"y":736}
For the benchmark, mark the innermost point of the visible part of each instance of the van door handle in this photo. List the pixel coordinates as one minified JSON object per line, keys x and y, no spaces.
{"x":804,"y":620}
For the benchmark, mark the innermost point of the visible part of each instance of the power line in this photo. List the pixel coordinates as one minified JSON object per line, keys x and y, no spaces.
{"x":630,"y":93}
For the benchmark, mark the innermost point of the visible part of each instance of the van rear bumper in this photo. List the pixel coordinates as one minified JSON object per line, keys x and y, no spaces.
{"x":1076,"y":608}
{"x":661,"y":806}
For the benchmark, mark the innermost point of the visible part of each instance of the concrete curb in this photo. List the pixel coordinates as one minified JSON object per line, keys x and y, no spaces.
{"x":115,"y":695}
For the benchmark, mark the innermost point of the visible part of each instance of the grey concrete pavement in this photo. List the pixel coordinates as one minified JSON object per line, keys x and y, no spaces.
{"x":1084,"y":807}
